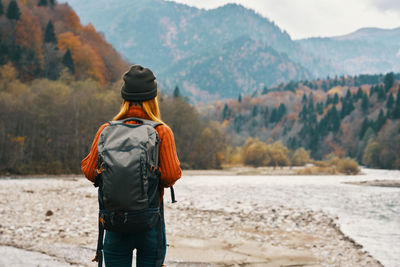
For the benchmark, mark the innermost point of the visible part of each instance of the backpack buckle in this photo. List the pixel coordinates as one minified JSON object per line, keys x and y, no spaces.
{"x":101,"y":169}
{"x":101,"y":220}
{"x":152,"y":168}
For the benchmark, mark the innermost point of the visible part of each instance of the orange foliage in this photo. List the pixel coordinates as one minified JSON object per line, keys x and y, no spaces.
{"x":109,"y":55}
{"x":28,"y":32}
{"x":293,"y":116}
{"x":72,"y":20}
{"x":87,"y":61}
{"x":337,"y":149}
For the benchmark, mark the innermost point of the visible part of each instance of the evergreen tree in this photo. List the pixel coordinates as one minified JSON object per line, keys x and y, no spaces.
{"x":311,"y":97}
{"x":42,"y":3}
{"x":177,"y":92}
{"x":380,"y":121}
{"x":68,"y":61}
{"x":320,"y":108}
{"x":396,"y":110}
{"x":348,"y":94}
{"x":281,"y":111}
{"x":390,"y":102}
{"x":335,"y":99}
{"x":265,"y":90}
{"x":347,"y":107}
{"x":381,"y":94}
{"x":240,"y":98}
{"x":303,"y":114}
{"x":266,"y":113}
{"x":364,"y":126}
{"x":334,"y":119}
{"x":365,"y":104}
{"x":328,"y":100}
{"x":310,"y":106}
{"x":52,"y":3}
{"x":304,"y":99}
{"x":388,"y":81}
{"x":1,"y":8}
{"x":324,"y":86}
{"x":225,"y":112}
{"x":255,"y":111}
{"x":359,"y":93}
{"x":274,"y":116}
{"x":49,"y":35}
{"x":331,"y":122}
{"x":13,"y":12}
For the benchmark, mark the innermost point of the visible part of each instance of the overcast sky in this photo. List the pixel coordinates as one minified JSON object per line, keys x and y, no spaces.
{"x":312,"y":18}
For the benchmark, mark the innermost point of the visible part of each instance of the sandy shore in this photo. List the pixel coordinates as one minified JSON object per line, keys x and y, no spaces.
{"x":58,"y":218}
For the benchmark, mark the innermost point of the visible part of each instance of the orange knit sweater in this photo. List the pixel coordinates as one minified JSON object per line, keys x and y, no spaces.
{"x":168,"y":161}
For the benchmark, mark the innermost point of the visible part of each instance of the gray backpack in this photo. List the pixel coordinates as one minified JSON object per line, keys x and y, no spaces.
{"x":128,"y":179}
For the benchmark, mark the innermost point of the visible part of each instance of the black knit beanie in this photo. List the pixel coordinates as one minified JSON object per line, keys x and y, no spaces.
{"x":139,"y":84}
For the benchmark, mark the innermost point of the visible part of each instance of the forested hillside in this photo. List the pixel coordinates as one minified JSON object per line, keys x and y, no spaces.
{"x":41,"y":38}
{"x":356,"y":116}
{"x":59,"y":81}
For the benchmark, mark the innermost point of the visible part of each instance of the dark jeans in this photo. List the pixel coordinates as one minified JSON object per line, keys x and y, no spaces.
{"x":118,"y":248}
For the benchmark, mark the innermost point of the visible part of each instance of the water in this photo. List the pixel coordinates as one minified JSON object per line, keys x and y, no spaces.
{"x":368,"y":214}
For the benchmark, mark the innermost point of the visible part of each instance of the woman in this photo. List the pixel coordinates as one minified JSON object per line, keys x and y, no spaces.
{"x":140,"y":100}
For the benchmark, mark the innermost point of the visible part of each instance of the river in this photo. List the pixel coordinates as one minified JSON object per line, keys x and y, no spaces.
{"x":368,"y":214}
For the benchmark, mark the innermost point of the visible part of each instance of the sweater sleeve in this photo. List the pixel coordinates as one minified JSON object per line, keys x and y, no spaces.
{"x":169,"y":165}
{"x":89,"y":164}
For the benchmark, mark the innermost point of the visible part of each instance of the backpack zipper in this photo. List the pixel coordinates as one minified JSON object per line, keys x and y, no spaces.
{"x":142,"y":174}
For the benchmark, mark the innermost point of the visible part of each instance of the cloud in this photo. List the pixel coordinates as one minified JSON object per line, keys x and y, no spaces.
{"x":307,"y":18}
{"x":387,"y":5}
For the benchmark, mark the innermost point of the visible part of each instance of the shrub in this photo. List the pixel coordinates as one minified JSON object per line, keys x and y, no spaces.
{"x":301,"y":157}
{"x":255,"y":153}
{"x":348,"y":166}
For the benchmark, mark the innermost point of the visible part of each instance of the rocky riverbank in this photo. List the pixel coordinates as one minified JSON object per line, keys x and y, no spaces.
{"x":58,"y":217}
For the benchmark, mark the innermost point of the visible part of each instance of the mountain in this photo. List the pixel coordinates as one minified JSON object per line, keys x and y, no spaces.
{"x":243,"y":63}
{"x":180,"y":42}
{"x":40,"y":39}
{"x":169,"y":36}
{"x":367,"y":50}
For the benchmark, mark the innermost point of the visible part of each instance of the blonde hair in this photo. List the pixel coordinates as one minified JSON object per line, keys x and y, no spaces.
{"x":150,"y":107}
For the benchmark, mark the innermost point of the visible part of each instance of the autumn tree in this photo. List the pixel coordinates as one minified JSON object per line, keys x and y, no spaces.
{"x":255,"y":153}
{"x":13,"y":12}
{"x":278,"y":154}
{"x":300,"y":157}
{"x":49,"y":35}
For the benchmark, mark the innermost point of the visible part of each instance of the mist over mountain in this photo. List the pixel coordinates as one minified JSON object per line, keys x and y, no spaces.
{"x":367,"y":50}
{"x":202,"y":51}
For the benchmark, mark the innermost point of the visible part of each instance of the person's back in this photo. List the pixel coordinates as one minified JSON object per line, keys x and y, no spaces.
{"x":139,"y":93}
